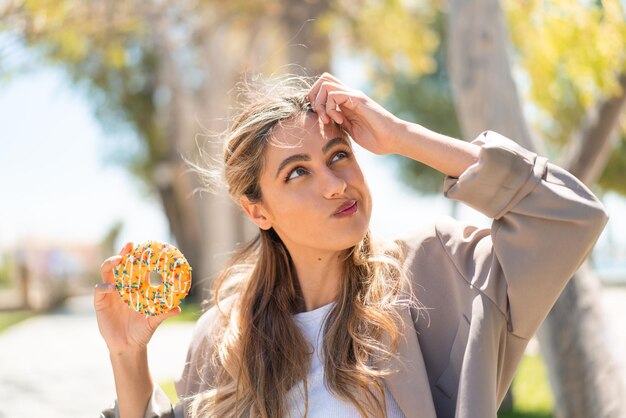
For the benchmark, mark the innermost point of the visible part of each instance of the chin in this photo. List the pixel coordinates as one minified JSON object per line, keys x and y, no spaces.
{"x":353,"y":239}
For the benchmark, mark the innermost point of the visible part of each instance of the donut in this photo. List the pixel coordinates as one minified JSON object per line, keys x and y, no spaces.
{"x":133,"y":283}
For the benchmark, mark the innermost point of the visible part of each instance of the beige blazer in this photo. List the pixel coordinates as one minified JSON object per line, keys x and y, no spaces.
{"x":485,"y":290}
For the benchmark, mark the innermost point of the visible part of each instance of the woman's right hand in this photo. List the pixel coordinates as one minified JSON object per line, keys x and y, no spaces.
{"x":122,"y":328}
{"x":368,"y":123}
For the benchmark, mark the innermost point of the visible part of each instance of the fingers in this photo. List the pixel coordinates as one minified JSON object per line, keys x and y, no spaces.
{"x":106,"y":269}
{"x":155,"y":321}
{"x":318,"y":84}
{"x":104,"y":288}
{"x":126,"y":248}
{"x":328,"y":95}
{"x":101,"y":290}
{"x":319,"y":93}
{"x":338,"y":99}
{"x":172,"y":313}
{"x":331,"y":109}
{"x":343,"y":99}
{"x":107,"y":286}
{"x":319,"y":104}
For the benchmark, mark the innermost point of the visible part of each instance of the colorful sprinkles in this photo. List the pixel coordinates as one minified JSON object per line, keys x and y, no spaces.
{"x":132,"y":278}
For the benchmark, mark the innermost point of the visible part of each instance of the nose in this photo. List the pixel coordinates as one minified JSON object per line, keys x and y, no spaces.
{"x":334,"y":185}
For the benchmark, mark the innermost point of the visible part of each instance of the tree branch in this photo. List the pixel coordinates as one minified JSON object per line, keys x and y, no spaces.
{"x":486,"y":96}
{"x":591,"y":144}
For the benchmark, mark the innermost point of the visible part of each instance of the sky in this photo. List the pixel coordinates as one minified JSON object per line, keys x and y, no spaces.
{"x":56,"y":186}
{"x":53,"y":177}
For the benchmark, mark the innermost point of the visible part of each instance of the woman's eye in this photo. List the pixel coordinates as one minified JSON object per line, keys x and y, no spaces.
{"x":298,"y":170}
{"x":345,"y":154}
{"x":301,"y":171}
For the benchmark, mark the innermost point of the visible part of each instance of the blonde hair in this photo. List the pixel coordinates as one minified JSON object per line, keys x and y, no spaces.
{"x":260,"y":354}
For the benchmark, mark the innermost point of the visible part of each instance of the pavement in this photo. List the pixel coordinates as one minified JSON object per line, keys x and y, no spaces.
{"x":57,"y":365}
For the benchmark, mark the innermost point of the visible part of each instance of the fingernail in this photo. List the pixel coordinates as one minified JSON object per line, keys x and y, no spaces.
{"x":107,"y":287}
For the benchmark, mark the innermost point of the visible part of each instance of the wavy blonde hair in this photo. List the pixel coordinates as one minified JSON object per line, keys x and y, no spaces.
{"x":259,"y":354}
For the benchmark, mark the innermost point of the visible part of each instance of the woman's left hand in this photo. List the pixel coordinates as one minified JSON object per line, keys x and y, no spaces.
{"x":368,"y":123}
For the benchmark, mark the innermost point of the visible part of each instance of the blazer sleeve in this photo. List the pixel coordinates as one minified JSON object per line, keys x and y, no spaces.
{"x":158,"y":406}
{"x":195,"y":375}
{"x":545,"y":224}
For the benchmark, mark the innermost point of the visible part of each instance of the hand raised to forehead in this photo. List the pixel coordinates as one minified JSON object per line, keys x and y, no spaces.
{"x":368,"y":123}
{"x":327,"y":94}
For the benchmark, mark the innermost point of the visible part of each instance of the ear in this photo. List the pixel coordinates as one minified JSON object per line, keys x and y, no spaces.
{"x":255,"y":212}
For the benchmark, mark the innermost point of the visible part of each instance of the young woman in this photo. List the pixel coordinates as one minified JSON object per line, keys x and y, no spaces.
{"x":321,"y":320}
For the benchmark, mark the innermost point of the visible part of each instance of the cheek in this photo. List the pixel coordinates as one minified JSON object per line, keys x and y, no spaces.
{"x":300,"y":218}
{"x":284,"y":203}
{"x":298,"y":210}
{"x":358,"y":181}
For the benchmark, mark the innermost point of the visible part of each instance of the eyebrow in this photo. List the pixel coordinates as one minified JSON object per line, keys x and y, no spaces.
{"x":306,"y":157}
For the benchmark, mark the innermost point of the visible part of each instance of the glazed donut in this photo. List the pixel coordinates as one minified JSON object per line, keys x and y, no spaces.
{"x":132,"y":278}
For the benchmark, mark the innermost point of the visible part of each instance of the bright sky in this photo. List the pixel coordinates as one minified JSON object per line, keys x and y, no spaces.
{"x":52,"y":176}
{"x":56,"y":186}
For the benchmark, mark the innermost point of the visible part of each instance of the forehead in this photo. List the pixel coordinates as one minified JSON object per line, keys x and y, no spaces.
{"x":304,"y":132}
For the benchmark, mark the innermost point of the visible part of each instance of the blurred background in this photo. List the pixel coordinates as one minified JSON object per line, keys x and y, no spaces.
{"x":99,"y":102}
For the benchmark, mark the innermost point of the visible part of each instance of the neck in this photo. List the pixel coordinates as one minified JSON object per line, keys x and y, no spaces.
{"x":319,"y":276}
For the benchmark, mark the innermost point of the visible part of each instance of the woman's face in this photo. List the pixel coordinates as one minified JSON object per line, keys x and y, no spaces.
{"x":309,"y":174}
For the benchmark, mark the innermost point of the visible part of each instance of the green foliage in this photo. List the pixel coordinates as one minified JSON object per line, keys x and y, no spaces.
{"x":70,"y":32}
{"x":525,"y":414}
{"x":426,"y":100}
{"x":531,"y":392}
{"x":572,"y":54}
{"x":396,"y":34}
{"x":126,"y":96}
{"x":7,"y":266}
{"x":106,"y":48}
{"x":170,"y":390}
{"x":190,"y":312}
{"x":613,"y":177}
{"x":567,"y":54}
{"x":531,"y":386}
{"x":565,"y":80}
{"x":10,"y":318}
{"x":107,"y":244}
{"x":570,"y":50}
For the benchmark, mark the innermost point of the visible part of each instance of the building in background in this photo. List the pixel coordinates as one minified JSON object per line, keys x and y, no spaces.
{"x":39,"y":275}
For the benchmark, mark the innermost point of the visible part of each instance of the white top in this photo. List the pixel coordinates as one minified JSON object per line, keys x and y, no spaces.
{"x":322,"y":403}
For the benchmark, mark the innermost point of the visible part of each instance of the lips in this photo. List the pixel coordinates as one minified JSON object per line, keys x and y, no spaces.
{"x":345,"y":206}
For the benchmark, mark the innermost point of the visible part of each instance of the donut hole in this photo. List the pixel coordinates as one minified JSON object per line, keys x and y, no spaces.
{"x":155,"y":279}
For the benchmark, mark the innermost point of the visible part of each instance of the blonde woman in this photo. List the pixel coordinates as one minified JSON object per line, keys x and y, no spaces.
{"x":315,"y":318}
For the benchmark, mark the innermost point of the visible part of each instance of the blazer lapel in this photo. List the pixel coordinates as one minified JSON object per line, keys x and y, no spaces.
{"x":409,"y":383}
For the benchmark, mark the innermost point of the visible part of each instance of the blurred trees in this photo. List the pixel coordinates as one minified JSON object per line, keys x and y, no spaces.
{"x":572,"y":339}
{"x":570,"y":60}
{"x":566,"y":57}
{"x":164,"y":69}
